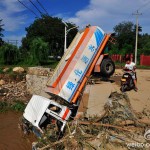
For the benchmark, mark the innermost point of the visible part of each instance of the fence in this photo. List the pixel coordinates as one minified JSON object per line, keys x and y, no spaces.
{"x":144,"y":60}
{"x":120,"y":58}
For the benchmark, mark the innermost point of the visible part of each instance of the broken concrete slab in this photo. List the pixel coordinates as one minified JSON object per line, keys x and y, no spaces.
{"x":98,"y":96}
{"x":36,"y":85}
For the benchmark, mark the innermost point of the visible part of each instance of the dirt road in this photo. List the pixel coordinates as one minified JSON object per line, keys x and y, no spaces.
{"x":98,"y":93}
{"x":139,"y":100}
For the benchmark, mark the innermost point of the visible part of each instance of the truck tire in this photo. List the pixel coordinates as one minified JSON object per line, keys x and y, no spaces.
{"x":107,"y":67}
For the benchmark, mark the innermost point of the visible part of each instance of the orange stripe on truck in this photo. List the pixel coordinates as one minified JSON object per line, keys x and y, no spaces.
{"x":65,"y":114}
{"x":79,"y":90}
{"x":70,"y":59}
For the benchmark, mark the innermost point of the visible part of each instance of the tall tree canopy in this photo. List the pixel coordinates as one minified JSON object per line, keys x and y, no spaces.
{"x":50,"y":30}
{"x":1,"y":30}
{"x":125,"y":35}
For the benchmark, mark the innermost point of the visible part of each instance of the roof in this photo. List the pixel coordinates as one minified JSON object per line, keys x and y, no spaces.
{"x":35,"y":109}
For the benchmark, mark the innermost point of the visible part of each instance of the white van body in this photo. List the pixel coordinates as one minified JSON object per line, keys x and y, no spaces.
{"x":39,"y":107}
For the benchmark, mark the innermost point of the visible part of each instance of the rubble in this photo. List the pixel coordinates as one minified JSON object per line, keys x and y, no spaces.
{"x":40,"y":71}
{"x":118,"y":126}
{"x":2,"y":82}
{"x":14,"y":91}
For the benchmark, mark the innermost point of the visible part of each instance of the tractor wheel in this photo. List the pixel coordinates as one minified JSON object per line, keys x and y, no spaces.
{"x":107,"y":67}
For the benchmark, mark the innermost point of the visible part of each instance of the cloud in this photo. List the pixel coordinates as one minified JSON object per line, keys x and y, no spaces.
{"x":109,"y":13}
{"x":10,"y":13}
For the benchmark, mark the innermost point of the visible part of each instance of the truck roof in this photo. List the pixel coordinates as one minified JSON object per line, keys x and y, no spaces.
{"x":35,"y":109}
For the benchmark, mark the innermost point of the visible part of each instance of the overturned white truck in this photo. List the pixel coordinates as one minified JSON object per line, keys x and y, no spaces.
{"x":84,"y":55}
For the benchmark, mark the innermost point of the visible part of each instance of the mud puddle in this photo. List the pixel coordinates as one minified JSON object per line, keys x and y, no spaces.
{"x":11,"y":137}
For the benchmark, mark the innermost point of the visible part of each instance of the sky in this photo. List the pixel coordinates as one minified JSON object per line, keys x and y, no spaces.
{"x":103,"y":13}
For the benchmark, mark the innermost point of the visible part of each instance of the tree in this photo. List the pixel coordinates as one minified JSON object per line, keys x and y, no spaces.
{"x":125,"y":35}
{"x":9,"y":54}
{"x":38,"y":54}
{"x":51,"y":30}
{"x":1,"y":30}
{"x":144,"y":42}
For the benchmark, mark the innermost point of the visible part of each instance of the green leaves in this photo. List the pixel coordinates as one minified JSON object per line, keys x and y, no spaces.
{"x":125,"y":36}
{"x":50,"y":30}
{"x":38,"y":53}
{"x":9,"y":54}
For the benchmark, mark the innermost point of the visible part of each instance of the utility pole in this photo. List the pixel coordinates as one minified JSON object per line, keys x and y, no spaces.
{"x":137,"y":14}
{"x":65,"y":41}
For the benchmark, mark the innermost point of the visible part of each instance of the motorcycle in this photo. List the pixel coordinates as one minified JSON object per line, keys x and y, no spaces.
{"x":127,"y":82}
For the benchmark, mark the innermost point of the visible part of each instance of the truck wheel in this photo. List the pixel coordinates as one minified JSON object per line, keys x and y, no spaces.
{"x":107,"y":67}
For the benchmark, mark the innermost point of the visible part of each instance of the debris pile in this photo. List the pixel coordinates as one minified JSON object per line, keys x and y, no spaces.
{"x":14,"y":91}
{"x":117,"y":128}
{"x":40,"y":71}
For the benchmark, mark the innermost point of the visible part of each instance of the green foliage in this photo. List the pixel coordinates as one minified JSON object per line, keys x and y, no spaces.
{"x":15,"y":106}
{"x":52,"y":63}
{"x":50,"y":30}
{"x":9,"y":54}
{"x":144,"y":43}
{"x":38,"y":52}
{"x":18,"y":106}
{"x":3,"y":106}
{"x":125,"y":36}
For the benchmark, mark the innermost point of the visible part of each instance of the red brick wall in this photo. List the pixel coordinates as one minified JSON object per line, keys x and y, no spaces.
{"x":144,"y":60}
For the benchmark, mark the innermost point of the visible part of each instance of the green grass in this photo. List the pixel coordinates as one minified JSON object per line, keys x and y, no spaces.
{"x":15,"y":106}
{"x":50,"y":64}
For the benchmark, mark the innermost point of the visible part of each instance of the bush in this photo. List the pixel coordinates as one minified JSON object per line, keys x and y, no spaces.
{"x":3,"y":106}
{"x":38,"y":53}
{"x":18,"y":106}
{"x":9,"y":54}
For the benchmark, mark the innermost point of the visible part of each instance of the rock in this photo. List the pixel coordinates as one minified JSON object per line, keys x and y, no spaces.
{"x":2,"y":82}
{"x":18,"y":69}
{"x":5,"y":69}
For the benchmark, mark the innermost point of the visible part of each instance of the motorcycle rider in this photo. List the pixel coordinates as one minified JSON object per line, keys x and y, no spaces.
{"x":131,"y":67}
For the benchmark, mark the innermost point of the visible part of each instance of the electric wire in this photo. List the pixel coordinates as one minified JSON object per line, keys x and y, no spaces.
{"x":143,"y":5}
{"x":36,"y":7}
{"x":28,"y":8}
{"x":42,"y":7}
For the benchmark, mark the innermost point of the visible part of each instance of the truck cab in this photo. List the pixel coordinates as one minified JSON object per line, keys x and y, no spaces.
{"x":41,"y":111}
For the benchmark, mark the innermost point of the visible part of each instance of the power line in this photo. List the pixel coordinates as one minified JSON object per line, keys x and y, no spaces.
{"x":143,"y":5}
{"x":28,"y":8}
{"x":36,"y":7}
{"x":42,"y":7}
